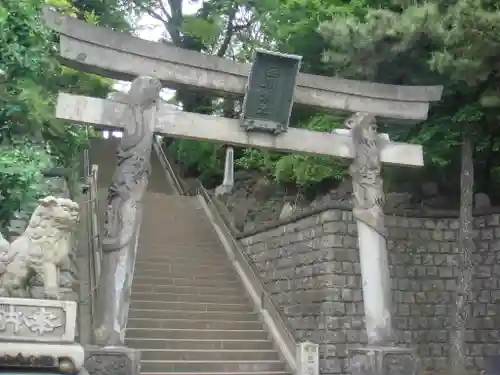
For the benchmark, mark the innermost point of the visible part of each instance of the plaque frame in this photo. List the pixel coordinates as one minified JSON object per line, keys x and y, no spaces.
{"x":249,"y":119}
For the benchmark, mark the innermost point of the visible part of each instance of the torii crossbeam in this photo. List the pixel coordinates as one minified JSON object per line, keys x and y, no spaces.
{"x":174,"y":123}
{"x":121,"y":56}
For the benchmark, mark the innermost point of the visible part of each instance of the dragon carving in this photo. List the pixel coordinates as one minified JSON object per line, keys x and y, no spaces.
{"x":366,"y":170}
{"x":132,"y":171}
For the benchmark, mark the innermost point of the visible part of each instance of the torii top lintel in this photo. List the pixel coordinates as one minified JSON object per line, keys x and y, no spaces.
{"x":121,"y":56}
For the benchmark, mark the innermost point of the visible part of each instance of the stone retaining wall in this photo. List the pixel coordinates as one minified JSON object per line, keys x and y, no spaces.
{"x":311,"y":268}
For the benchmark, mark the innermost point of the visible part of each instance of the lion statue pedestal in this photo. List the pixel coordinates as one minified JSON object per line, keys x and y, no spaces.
{"x":40,"y":333}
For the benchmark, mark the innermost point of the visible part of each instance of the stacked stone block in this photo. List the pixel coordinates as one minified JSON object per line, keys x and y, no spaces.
{"x":311,"y":268}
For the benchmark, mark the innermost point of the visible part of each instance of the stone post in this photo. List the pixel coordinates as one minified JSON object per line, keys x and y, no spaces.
{"x":228,"y":182}
{"x":307,"y":355}
{"x":124,"y":214}
{"x":380,"y":357}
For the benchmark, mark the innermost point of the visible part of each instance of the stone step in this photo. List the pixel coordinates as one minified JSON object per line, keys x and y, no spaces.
{"x":211,"y":366}
{"x":200,"y":232}
{"x":202,"y":259}
{"x":171,"y":203}
{"x":207,"y":260}
{"x":198,"y":344}
{"x":185,"y":264}
{"x":222,"y":269}
{"x":208,"y":355}
{"x":189,"y":306}
{"x":147,"y":280}
{"x":192,"y":290}
{"x":173,"y":200}
{"x":199,"y":235}
{"x":195,"y":219}
{"x":195,"y":237}
{"x":247,"y":316}
{"x":220,"y":373}
{"x":183,"y":248}
{"x":187,"y":273}
{"x":206,"y":254}
{"x":189,"y":221}
{"x":173,"y":207}
{"x":187,"y":245}
{"x":201,"y":298}
{"x":137,"y":333}
{"x":194,"y":324}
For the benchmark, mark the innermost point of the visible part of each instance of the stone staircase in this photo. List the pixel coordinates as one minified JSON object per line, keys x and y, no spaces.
{"x":189,"y":312}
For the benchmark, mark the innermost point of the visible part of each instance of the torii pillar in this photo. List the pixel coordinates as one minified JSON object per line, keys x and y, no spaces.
{"x":381,"y":356}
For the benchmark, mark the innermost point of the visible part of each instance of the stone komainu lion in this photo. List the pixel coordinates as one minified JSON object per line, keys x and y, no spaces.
{"x":43,"y":249}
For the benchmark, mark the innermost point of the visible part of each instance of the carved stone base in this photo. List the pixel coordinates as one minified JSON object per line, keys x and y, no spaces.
{"x":37,"y":320}
{"x":66,"y":358}
{"x":379,"y":360}
{"x":112,"y":361}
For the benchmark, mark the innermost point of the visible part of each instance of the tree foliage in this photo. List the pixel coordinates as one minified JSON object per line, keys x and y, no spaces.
{"x":390,"y":41}
{"x":454,"y":44}
{"x":31,"y":139}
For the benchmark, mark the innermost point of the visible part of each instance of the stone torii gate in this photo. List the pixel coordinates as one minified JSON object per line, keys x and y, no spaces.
{"x":120,"y":56}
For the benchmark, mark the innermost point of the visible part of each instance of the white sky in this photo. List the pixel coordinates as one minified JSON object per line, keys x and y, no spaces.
{"x":152,"y":29}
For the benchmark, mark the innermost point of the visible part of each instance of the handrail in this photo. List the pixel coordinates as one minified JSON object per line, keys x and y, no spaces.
{"x":220,"y":207}
{"x":95,"y":253}
{"x":225,"y":228}
{"x":169,"y":171}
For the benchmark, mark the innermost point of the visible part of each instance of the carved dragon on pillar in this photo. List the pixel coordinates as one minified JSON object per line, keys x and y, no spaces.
{"x":124,"y":213}
{"x":131,"y":176}
{"x":366,"y":171}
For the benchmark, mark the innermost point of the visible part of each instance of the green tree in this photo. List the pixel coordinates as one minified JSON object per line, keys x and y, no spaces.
{"x":25,"y":111}
{"x":31,"y":139}
{"x":110,"y":13}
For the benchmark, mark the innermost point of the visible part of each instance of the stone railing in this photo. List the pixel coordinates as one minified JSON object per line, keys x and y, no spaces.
{"x":89,"y":251}
{"x":170,"y":173}
{"x":95,"y":253}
